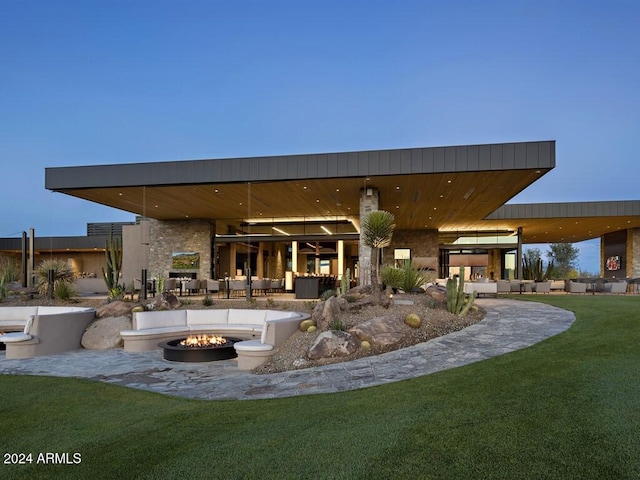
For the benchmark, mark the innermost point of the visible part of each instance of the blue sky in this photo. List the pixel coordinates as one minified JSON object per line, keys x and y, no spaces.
{"x":93,"y":82}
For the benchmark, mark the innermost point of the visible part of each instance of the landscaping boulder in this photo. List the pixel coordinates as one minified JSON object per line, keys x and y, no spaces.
{"x":438,"y":293}
{"x":381,"y":331}
{"x":117,"y":308}
{"x":333,"y":343}
{"x":164,"y":301}
{"x":330,"y":313}
{"x":104,"y":333}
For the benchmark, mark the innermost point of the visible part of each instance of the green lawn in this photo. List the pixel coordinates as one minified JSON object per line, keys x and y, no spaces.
{"x":566,"y":408}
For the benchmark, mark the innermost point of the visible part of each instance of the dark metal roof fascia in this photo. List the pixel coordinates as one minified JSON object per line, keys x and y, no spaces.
{"x":57,"y":243}
{"x":454,"y":159}
{"x":621,"y":208}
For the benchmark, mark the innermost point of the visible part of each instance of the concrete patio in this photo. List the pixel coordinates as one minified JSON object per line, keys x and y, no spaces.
{"x":510,"y":325}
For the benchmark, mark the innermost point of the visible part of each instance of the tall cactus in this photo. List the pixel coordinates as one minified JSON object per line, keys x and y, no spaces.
{"x":113,"y":254}
{"x":457,"y":302}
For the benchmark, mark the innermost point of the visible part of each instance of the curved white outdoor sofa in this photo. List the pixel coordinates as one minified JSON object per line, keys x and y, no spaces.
{"x":35,"y":331}
{"x":261,"y":330}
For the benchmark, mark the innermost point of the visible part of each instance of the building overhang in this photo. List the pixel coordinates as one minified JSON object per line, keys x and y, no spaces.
{"x":425,"y":188}
{"x":566,"y":222}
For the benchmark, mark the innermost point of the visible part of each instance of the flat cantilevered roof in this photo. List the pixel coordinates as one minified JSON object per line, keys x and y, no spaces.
{"x":567,"y":222}
{"x":432,"y":187}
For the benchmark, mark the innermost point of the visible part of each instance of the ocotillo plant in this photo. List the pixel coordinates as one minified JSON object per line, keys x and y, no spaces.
{"x":113,"y":254}
{"x":457,"y":302}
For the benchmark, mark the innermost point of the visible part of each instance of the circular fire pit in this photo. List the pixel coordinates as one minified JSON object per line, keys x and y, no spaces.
{"x":174,"y":351}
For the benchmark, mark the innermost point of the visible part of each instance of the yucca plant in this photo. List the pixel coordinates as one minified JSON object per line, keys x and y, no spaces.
{"x":376,"y":233}
{"x":413,"y":278}
{"x":62,"y":273}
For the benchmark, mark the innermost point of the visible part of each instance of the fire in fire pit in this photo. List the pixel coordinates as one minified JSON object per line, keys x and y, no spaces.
{"x":199,"y":341}
{"x":199,"y":348}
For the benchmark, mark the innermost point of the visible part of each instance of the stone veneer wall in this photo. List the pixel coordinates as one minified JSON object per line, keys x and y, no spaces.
{"x":369,"y":201}
{"x":423,"y":243}
{"x":166,"y":237}
{"x":633,"y":253}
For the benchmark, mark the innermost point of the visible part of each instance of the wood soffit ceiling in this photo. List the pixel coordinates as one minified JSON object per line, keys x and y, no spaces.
{"x":444,"y":201}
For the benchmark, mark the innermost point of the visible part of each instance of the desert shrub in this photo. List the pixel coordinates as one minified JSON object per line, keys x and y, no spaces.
{"x":350,"y":298}
{"x":207,"y":301}
{"x":62,"y":273}
{"x":327,"y":294}
{"x":392,"y":277}
{"x":337,"y":324}
{"x":8,"y":273}
{"x":64,"y":291}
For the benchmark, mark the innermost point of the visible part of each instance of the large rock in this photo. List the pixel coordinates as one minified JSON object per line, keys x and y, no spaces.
{"x":330,"y":313}
{"x":438,"y":293}
{"x":381,"y":331}
{"x":164,"y":301}
{"x":333,"y":343}
{"x":104,"y":333}
{"x":117,"y":308}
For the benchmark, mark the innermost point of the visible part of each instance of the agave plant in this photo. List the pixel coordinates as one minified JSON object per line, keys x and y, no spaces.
{"x":413,"y":278}
{"x":62,"y":273}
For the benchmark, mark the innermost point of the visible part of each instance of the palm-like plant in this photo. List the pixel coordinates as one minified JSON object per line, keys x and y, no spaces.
{"x":377,"y":231}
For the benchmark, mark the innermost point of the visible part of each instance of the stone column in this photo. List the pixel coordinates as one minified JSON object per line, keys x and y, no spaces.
{"x":369,"y":202}
{"x":260,"y":261}
{"x":340,"y":258}
{"x":519,"y":255}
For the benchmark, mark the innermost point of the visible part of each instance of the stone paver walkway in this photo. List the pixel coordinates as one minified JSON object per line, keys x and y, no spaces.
{"x":509,"y":325}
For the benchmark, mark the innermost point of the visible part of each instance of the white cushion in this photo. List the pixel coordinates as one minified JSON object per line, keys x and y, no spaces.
{"x":247,"y":316}
{"x":28,"y":325}
{"x":153,"y":331}
{"x":164,"y":318}
{"x":253,"y":346}
{"x":207,"y":317}
{"x":54,"y":310}
{"x":265,"y":329}
{"x":14,"y":337}
{"x":242,"y":327}
{"x":17,"y":313}
{"x":275,"y":315}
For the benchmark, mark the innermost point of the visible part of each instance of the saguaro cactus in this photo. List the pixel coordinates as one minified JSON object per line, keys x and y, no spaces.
{"x":113,"y":254}
{"x":457,"y":302}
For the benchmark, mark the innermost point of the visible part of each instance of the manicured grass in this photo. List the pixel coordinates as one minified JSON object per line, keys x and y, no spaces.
{"x":566,"y":408}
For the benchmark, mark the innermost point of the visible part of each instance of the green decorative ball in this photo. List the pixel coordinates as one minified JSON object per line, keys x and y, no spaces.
{"x":413,"y":320}
{"x":305,"y":324}
{"x":365,"y":345}
{"x":312,"y":329}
